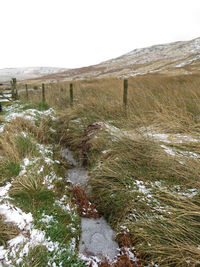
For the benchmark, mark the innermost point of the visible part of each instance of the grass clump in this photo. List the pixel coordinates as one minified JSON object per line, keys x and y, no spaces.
{"x":20,"y":124}
{"x":7,"y":231}
{"x":30,"y":192}
{"x":37,"y":256}
{"x":16,"y":140}
{"x":25,"y":146}
{"x":40,"y":256}
{"x":171,"y":239}
{"x":8,"y":170}
{"x":46,"y":132}
{"x":40,"y":106}
{"x":62,"y":226}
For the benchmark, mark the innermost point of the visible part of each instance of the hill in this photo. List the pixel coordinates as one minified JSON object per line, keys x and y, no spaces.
{"x":173,"y":59}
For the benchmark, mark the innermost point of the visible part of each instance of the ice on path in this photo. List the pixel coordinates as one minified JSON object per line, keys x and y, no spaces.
{"x":97,"y":239}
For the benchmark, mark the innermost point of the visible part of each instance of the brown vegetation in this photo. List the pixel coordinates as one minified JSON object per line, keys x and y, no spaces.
{"x":85,"y":207}
{"x":7,"y":231}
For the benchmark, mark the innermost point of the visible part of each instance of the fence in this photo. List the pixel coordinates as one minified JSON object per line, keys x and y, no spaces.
{"x":5,"y":94}
{"x":27,"y":89}
{"x":134,"y":96}
{"x":8,"y":92}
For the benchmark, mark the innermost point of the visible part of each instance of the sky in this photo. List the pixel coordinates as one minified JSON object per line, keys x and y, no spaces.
{"x":76,"y":33}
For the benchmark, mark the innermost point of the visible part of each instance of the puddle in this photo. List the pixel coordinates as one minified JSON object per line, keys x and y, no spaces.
{"x":67,"y":154}
{"x":78,"y":176}
{"x":97,"y":238}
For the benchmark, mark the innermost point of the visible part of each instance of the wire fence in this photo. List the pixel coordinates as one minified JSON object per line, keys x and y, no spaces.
{"x":12,"y":92}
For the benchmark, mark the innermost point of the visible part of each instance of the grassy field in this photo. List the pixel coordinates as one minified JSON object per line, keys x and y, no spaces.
{"x":143,"y":160}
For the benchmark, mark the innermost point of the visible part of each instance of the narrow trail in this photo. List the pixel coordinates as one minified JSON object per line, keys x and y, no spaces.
{"x":97,"y":238}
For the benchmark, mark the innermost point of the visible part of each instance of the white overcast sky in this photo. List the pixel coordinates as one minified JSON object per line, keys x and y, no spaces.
{"x":75,"y":33}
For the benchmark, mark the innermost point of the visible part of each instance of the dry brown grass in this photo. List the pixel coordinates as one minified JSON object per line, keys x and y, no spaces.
{"x":172,"y":103}
{"x":169,"y":104}
{"x":7,"y":231}
{"x":30,"y":190}
{"x":9,"y":146}
{"x":174,"y":237}
{"x":8,"y":142}
{"x":20,"y":124}
{"x":170,"y":233}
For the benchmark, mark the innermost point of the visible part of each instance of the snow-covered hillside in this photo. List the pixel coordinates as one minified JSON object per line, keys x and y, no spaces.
{"x":164,"y":57}
{"x":172,"y":58}
{"x":27,"y":73}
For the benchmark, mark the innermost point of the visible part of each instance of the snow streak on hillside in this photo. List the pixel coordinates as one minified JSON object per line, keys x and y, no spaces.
{"x":172,"y":58}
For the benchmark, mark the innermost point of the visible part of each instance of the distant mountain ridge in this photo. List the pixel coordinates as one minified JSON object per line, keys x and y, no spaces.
{"x":27,"y":73}
{"x":175,"y":58}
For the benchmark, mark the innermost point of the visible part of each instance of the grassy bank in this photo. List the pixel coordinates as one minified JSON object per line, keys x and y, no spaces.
{"x":39,"y":224}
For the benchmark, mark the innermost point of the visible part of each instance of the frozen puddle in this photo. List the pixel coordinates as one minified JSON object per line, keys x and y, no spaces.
{"x":78,"y":176}
{"x":97,"y":238}
{"x":67,"y":154}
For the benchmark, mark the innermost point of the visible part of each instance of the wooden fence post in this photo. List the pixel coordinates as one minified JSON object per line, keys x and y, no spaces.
{"x":71,"y":94}
{"x":26,"y":86}
{"x":43,"y":93}
{"x":13,"y":83}
{"x":125,"y":93}
{"x":60,"y":92}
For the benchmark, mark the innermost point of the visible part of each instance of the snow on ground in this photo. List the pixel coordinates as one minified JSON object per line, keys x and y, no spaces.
{"x":29,"y":236}
{"x":165,"y":137}
{"x":146,"y":132}
{"x":15,"y":215}
{"x":30,"y":114}
{"x":4,"y":100}
{"x":187,"y":62}
{"x":156,"y":136}
{"x":15,"y":111}
{"x":151,"y":133}
{"x":148,"y":188}
{"x":19,"y":246}
{"x":97,"y":238}
{"x":178,"y":152}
